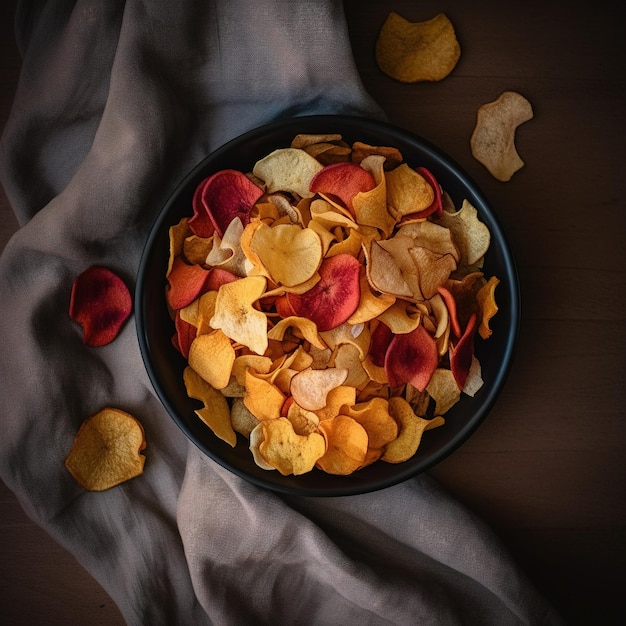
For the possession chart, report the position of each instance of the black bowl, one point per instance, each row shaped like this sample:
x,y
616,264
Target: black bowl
x,y
165,365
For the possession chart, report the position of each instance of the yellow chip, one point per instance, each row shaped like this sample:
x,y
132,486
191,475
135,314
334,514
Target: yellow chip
x,y
304,326
236,316
374,416
215,413
262,398
371,304
416,51
346,442
260,364
360,151
287,169
212,357
444,390
290,254
487,301
370,207
106,450
304,422
196,249
411,428
469,234
288,452
177,234
407,191
335,399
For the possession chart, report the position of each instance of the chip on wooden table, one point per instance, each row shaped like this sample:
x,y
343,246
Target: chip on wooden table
x,y
417,51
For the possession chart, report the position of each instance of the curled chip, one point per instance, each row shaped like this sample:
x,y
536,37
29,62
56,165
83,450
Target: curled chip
x,y
100,302
327,320
346,442
417,51
287,451
411,427
493,140
106,450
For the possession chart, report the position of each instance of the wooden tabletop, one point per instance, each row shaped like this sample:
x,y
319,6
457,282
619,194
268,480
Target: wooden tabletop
x,y
546,470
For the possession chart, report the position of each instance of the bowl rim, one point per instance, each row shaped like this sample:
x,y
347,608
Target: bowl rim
x,y
298,485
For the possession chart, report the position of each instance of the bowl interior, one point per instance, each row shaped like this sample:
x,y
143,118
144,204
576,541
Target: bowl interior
x,y
165,365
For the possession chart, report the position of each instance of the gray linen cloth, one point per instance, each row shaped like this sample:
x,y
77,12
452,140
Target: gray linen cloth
x,y
116,102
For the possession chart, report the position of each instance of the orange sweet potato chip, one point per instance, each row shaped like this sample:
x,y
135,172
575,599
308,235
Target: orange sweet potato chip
x,y
417,51
107,450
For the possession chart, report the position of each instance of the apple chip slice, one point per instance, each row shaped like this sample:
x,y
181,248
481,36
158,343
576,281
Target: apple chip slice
x,y
107,450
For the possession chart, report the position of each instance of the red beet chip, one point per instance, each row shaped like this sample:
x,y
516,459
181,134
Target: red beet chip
x,y
186,283
461,354
379,343
343,181
184,335
411,358
335,297
100,302
223,196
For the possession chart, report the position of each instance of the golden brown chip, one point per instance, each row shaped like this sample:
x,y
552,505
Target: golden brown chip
x,y
236,316
411,429
212,357
493,140
215,413
361,150
487,301
374,416
346,445
288,452
106,450
444,390
416,51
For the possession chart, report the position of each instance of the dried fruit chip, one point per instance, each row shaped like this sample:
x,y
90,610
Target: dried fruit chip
x,y
374,416
411,429
493,140
366,286
461,354
225,195
212,357
262,398
100,302
487,302
288,169
416,51
411,358
310,387
186,283
342,180
287,451
443,389
236,316
215,413
346,442
335,297
290,254
106,450
470,235
408,192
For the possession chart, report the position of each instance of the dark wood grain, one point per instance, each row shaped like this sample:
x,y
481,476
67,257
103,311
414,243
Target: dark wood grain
x,y
546,470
